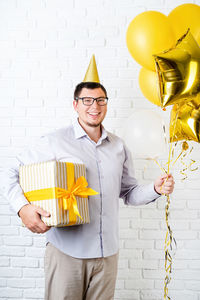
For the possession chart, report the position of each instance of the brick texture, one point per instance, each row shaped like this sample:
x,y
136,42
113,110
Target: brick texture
x,y
45,48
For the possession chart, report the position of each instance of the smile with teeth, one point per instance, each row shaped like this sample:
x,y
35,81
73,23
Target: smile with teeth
x,y
94,114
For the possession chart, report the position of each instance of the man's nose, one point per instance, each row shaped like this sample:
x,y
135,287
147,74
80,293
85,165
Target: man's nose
x,y
94,104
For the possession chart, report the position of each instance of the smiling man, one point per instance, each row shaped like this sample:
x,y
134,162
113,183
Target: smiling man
x,y
81,261
91,109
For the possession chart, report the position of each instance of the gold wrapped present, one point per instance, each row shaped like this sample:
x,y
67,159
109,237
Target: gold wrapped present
x,y
59,188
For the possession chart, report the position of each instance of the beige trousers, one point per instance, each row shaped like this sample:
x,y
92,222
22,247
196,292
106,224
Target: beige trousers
x,y
68,278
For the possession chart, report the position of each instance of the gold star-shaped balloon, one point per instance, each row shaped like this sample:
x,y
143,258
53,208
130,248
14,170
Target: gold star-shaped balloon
x,y
178,71
185,121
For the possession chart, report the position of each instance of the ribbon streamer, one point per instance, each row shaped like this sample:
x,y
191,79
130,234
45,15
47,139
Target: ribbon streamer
x,y
168,248
169,239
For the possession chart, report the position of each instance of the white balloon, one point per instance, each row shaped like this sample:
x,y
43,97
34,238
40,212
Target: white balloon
x,y
145,134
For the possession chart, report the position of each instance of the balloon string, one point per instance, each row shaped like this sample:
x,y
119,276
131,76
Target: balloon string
x,y
169,234
169,239
171,151
177,158
162,169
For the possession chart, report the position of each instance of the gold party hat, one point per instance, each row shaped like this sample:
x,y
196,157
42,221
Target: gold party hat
x,y
92,73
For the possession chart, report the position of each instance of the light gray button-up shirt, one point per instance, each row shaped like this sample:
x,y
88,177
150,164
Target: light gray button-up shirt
x,y
109,171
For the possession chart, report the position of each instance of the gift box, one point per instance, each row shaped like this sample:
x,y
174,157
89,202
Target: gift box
x,y
59,188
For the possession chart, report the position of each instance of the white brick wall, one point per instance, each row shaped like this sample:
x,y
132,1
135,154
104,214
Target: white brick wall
x,y
45,48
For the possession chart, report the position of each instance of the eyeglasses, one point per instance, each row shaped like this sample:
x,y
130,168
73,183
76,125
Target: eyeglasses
x,y
90,100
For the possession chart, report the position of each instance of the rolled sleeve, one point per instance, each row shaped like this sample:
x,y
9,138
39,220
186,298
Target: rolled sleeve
x,y
131,192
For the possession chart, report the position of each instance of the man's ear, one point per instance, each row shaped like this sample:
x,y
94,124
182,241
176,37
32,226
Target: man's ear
x,y
75,103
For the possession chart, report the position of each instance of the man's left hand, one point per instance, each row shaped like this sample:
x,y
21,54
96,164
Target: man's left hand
x,y
164,184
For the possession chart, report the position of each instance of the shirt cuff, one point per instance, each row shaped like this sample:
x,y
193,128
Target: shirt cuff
x,y
158,194
152,192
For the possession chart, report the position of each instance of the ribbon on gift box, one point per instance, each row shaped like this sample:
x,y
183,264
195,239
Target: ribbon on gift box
x,y
78,188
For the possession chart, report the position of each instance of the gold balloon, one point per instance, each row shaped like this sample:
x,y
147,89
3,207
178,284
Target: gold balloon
x,y
147,34
185,121
148,82
178,71
186,16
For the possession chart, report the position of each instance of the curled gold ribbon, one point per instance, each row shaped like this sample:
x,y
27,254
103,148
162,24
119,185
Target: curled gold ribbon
x,y
169,239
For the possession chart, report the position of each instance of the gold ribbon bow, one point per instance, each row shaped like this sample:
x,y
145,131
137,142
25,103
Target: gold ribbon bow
x,y
79,189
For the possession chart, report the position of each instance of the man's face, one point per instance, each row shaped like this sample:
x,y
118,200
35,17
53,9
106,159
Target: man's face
x,y
90,115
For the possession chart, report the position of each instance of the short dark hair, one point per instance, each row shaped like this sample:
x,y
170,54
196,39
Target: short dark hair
x,y
88,85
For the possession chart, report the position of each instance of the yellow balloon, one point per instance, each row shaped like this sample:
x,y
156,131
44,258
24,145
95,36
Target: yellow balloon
x,y
148,34
186,16
149,86
178,71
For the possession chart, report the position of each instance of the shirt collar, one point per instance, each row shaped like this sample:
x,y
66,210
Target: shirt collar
x,y
80,132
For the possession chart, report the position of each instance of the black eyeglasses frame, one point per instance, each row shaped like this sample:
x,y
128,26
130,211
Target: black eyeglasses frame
x,y
94,99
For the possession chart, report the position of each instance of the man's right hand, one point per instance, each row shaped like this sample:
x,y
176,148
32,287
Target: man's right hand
x,y
31,217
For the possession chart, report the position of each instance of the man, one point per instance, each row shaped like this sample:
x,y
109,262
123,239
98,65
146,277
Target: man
x,y
81,261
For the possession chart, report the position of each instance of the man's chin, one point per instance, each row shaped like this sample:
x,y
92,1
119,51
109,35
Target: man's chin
x,y
93,124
